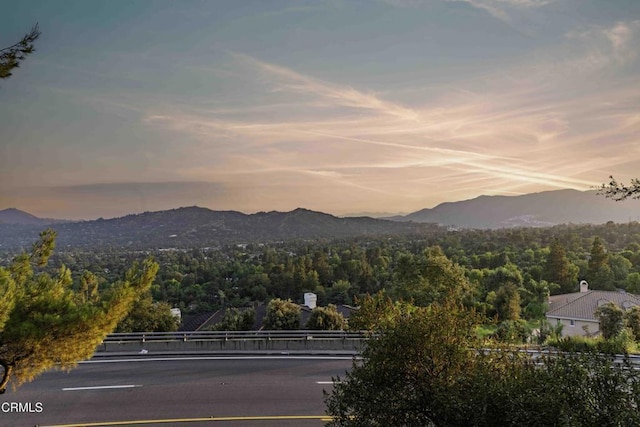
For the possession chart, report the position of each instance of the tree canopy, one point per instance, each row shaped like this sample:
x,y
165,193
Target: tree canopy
x,y
45,321
11,56
282,315
426,369
326,318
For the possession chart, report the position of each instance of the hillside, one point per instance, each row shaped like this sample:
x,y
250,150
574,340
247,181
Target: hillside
x,y
199,227
530,210
16,216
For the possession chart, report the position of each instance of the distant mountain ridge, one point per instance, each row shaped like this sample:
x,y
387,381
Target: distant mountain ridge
x,y
16,216
530,210
191,227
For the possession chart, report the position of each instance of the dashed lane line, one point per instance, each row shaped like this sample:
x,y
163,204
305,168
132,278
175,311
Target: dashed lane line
x,y
100,387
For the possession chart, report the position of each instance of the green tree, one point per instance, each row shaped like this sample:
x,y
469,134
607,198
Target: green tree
x,y
633,283
513,331
632,321
406,368
611,318
326,318
599,271
507,302
429,277
426,371
598,256
620,267
11,56
378,312
235,319
282,315
497,278
149,316
45,323
338,293
559,270
536,298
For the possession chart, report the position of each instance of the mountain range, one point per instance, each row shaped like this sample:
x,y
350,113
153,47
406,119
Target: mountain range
x,y
16,216
547,208
201,227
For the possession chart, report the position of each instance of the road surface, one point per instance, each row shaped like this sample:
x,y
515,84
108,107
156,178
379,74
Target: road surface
x,y
162,390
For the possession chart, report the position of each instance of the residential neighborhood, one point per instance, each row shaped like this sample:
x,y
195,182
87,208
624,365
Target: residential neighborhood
x,y
577,311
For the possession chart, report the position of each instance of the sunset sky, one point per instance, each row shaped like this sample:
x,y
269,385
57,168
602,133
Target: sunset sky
x,y
338,106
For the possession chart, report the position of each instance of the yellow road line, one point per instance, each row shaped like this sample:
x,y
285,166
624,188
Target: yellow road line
x,y
324,418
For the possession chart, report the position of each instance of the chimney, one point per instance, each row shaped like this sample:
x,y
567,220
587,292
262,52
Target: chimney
x,y
584,286
310,299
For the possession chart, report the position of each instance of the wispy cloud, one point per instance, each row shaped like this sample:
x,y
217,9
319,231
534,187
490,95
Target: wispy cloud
x,y
620,41
488,136
536,123
341,95
503,9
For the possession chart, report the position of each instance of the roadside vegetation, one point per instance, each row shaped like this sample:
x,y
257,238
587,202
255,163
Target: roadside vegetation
x,y
428,366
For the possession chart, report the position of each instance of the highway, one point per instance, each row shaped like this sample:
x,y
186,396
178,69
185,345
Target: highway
x,y
162,390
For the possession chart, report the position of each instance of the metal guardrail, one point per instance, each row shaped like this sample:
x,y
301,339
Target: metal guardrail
x,y
190,336
633,359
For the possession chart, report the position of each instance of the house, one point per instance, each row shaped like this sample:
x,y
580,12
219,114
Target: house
x,y
576,311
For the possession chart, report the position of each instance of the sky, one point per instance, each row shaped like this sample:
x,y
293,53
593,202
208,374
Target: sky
x,y
340,106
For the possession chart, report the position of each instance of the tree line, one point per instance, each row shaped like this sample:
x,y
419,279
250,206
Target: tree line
x,y
505,274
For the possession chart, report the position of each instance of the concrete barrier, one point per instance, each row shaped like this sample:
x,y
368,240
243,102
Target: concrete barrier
x,y
234,342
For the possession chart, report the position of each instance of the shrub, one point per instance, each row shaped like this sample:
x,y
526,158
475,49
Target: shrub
x,y
326,318
282,315
513,332
423,371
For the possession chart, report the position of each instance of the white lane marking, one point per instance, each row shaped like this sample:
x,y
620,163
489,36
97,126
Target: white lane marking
x,y
100,387
177,359
326,382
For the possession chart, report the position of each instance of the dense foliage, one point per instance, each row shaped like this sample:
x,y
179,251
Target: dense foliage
x,y
423,369
326,319
47,320
505,274
235,319
282,315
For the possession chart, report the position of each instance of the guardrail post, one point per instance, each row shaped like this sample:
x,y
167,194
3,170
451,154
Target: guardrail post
x,y
143,338
184,338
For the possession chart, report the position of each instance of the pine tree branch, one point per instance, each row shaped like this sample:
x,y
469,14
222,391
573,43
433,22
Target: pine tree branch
x,y
619,191
11,56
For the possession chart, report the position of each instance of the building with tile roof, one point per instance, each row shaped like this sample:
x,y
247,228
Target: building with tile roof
x,y
576,311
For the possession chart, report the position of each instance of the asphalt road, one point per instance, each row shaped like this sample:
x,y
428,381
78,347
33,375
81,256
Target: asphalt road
x,y
192,389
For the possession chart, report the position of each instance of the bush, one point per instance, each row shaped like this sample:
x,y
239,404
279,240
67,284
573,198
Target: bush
x,y
235,319
424,371
326,318
611,319
575,344
513,332
282,315
620,344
